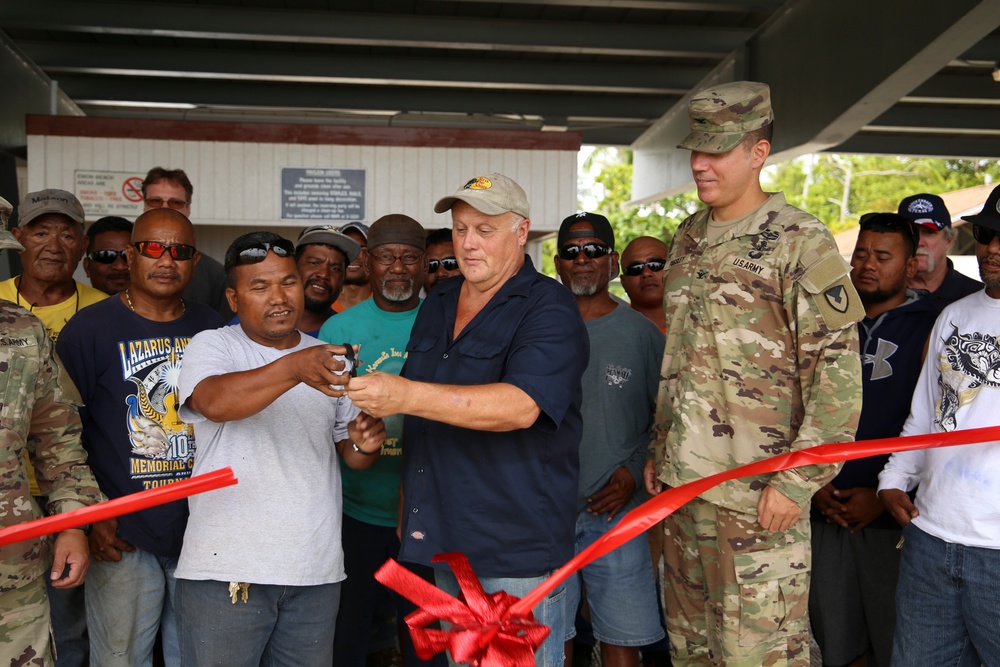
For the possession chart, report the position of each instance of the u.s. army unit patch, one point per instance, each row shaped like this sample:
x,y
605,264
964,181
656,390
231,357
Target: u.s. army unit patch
x,y
838,298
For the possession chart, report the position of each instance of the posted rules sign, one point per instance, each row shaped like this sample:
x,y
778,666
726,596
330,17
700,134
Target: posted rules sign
x,y
109,192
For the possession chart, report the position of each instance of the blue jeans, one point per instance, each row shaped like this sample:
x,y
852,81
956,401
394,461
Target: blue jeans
x,y
947,604
276,626
551,611
621,589
127,602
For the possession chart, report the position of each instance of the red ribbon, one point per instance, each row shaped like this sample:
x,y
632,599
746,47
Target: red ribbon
x,y
124,505
483,630
487,627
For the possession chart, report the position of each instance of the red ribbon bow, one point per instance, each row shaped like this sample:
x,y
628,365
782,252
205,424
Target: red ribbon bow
x,y
484,631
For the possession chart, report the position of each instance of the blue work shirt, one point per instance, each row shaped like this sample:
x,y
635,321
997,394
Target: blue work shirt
x,y
506,500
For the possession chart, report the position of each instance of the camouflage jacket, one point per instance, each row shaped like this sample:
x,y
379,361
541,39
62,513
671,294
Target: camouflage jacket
x,y
38,412
761,355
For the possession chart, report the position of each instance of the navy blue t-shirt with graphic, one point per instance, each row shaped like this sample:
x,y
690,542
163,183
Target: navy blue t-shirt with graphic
x,y
126,368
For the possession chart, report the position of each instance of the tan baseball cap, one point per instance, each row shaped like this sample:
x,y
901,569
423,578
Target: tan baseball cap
x,y
50,201
722,115
495,194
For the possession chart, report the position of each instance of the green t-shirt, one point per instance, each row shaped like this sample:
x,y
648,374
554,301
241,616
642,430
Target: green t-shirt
x,y
372,495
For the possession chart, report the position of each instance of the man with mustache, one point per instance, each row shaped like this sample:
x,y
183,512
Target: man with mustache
x,y
936,274
947,594
322,255
643,261
105,262
124,354
381,326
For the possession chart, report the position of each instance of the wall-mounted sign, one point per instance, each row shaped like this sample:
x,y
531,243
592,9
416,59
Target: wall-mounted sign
x,y
336,195
108,192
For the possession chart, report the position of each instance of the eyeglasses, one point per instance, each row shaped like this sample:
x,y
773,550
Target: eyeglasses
x,y
636,268
591,250
107,256
158,202
154,249
386,258
984,235
446,263
890,222
256,253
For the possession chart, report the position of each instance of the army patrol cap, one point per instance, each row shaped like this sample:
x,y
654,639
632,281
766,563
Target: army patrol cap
x,y
495,194
722,115
7,239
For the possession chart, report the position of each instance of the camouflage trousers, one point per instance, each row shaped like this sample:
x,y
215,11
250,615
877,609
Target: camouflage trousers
x,y
736,595
25,632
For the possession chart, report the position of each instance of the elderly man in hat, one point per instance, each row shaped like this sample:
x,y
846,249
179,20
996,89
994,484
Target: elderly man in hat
x,y
948,600
761,358
492,394
50,227
936,274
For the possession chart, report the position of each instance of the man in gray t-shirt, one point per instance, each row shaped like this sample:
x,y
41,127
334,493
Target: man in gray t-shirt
x,y
261,565
619,396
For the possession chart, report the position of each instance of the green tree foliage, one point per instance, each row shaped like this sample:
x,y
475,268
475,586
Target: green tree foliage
x,y
838,189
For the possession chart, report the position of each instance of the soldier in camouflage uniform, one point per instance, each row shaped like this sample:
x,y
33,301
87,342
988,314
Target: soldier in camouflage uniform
x,y
761,359
38,413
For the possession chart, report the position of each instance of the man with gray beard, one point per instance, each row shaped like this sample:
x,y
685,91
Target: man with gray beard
x,y
619,396
936,275
381,326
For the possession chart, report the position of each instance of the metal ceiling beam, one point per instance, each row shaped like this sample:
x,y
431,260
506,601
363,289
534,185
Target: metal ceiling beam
x,y
939,119
655,5
822,92
967,88
926,146
628,108
59,58
327,27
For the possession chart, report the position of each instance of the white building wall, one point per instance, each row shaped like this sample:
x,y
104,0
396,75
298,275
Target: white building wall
x,y
237,185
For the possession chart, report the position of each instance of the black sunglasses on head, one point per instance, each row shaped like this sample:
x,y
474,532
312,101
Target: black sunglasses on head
x,y
635,268
154,250
256,253
983,234
591,250
107,256
446,263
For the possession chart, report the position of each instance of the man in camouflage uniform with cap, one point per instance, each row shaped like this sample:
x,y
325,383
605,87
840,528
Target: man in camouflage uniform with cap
x,y
761,359
38,413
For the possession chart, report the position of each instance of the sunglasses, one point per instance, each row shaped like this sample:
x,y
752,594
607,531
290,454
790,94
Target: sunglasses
x,y
388,259
154,249
983,234
591,250
636,268
447,263
107,256
158,202
256,253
